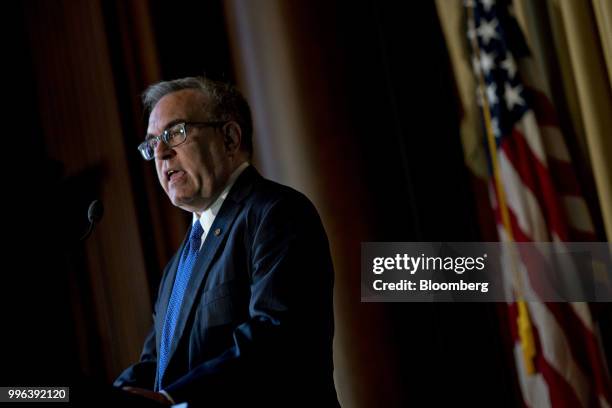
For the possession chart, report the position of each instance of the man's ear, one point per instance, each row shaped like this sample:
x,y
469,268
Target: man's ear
x,y
232,136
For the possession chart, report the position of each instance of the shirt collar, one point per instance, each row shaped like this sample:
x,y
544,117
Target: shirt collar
x,y
208,216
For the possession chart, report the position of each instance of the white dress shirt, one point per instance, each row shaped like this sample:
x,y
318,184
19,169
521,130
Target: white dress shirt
x,y
208,216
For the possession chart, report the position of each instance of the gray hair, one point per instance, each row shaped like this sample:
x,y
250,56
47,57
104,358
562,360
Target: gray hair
x,y
226,102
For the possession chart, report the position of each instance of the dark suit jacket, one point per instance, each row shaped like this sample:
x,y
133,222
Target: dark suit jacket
x,y
256,323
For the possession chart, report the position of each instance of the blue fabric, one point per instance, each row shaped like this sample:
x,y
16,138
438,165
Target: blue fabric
x,y
187,261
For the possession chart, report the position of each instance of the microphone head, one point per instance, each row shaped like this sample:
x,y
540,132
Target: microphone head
x,y
95,211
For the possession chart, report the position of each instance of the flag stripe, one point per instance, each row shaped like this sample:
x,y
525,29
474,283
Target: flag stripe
x,y
564,395
528,128
521,200
544,201
582,342
535,178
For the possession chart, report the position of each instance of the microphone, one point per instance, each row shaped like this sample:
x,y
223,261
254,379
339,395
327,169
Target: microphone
x,y
94,214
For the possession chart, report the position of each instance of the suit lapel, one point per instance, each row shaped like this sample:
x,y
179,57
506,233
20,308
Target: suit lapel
x,y
212,244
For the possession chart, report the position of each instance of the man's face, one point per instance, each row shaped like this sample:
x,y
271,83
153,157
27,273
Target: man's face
x,y
202,164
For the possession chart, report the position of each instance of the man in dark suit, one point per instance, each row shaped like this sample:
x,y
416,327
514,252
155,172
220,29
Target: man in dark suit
x,y
244,312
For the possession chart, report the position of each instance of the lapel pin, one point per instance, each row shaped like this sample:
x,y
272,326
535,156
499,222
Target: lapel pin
x,y
217,232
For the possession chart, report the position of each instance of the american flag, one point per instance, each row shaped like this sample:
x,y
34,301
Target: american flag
x,y
537,197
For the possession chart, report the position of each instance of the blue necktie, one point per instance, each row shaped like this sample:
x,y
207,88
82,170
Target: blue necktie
x,y
185,267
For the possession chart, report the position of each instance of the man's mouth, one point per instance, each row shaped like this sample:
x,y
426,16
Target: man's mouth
x,y
174,175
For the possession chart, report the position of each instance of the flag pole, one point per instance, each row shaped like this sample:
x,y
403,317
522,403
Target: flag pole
x,y
523,320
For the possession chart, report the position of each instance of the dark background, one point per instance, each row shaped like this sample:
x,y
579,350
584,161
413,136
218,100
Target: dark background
x,y
387,65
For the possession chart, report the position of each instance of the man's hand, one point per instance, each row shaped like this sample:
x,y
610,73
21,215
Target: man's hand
x,y
155,396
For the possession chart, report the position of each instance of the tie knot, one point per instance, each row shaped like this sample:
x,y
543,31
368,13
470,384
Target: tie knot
x,y
196,232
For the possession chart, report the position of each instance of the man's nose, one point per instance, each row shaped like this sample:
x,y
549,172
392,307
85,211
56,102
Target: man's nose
x,y
163,151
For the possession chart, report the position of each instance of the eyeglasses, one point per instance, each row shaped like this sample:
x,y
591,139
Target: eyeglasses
x,y
172,137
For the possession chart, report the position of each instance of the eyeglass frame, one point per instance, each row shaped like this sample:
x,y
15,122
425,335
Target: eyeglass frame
x,y
163,137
